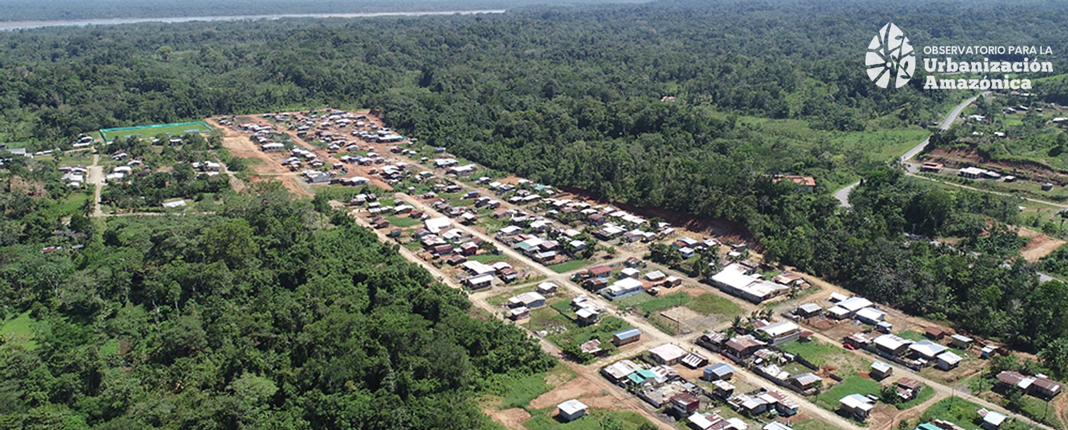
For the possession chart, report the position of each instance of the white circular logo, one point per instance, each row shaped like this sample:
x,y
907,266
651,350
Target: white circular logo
x,y
890,56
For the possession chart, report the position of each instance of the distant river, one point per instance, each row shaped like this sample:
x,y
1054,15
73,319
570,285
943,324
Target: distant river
x,y
21,25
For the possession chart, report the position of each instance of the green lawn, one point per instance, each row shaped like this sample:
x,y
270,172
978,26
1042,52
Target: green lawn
x,y
402,222
22,330
597,420
518,391
488,258
963,413
912,335
665,302
825,354
712,304
814,425
153,130
854,385
68,205
569,266
633,301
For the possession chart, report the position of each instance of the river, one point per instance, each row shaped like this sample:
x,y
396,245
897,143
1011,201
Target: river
x,y
23,25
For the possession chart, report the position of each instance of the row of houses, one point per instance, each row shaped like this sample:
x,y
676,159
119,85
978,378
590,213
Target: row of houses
x,y
912,354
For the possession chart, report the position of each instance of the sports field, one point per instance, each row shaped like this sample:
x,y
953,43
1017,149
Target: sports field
x,y
148,131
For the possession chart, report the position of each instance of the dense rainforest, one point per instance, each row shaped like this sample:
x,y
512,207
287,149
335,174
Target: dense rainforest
x,y
239,305
267,314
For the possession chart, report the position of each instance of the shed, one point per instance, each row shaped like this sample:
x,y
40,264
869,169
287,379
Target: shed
x,y
718,372
960,341
948,360
624,337
880,370
572,410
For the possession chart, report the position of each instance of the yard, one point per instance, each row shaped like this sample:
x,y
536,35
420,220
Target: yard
x,y
569,266
828,357
829,399
402,222
963,413
712,304
596,420
517,392
925,393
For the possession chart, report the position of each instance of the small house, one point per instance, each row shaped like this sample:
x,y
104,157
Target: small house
x,y
857,405
960,341
624,337
718,372
571,410
880,370
683,404
667,354
948,360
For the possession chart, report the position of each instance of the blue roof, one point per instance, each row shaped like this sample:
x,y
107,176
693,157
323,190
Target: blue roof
x,y
719,369
627,333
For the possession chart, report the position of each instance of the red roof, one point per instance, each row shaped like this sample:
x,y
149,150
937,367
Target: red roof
x,y
599,270
804,181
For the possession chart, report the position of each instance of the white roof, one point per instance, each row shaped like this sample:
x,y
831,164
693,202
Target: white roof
x,y
174,204
621,369
436,225
630,272
857,401
871,314
527,298
880,366
855,304
654,275
994,418
949,357
927,348
627,284
838,311
571,407
780,328
478,267
891,342
775,425
668,352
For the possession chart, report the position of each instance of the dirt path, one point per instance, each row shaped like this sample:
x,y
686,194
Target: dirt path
x,y
96,177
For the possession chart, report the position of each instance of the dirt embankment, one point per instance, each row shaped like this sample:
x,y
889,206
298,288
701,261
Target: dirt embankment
x,y
964,157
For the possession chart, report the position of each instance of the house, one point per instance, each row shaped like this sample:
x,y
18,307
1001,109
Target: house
x,y
991,420
592,347
599,271
741,347
624,337
891,345
630,272
529,299
1037,385
620,370
880,370
480,281
718,372
931,167
849,307
781,332
857,405
722,389
436,225
547,288
694,360
571,410
803,382
808,310
934,332
908,388
518,313
948,361
667,354
870,316
508,274
684,404
712,421
926,350
775,425
803,183
622,288
960,341
734,280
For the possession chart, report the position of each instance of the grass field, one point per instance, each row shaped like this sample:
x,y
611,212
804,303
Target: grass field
x,y
154,130
711,304
855,385
402,222
22,330
824,354
569,266
963,413
665,302
814,425
488,258
596,420
518,391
